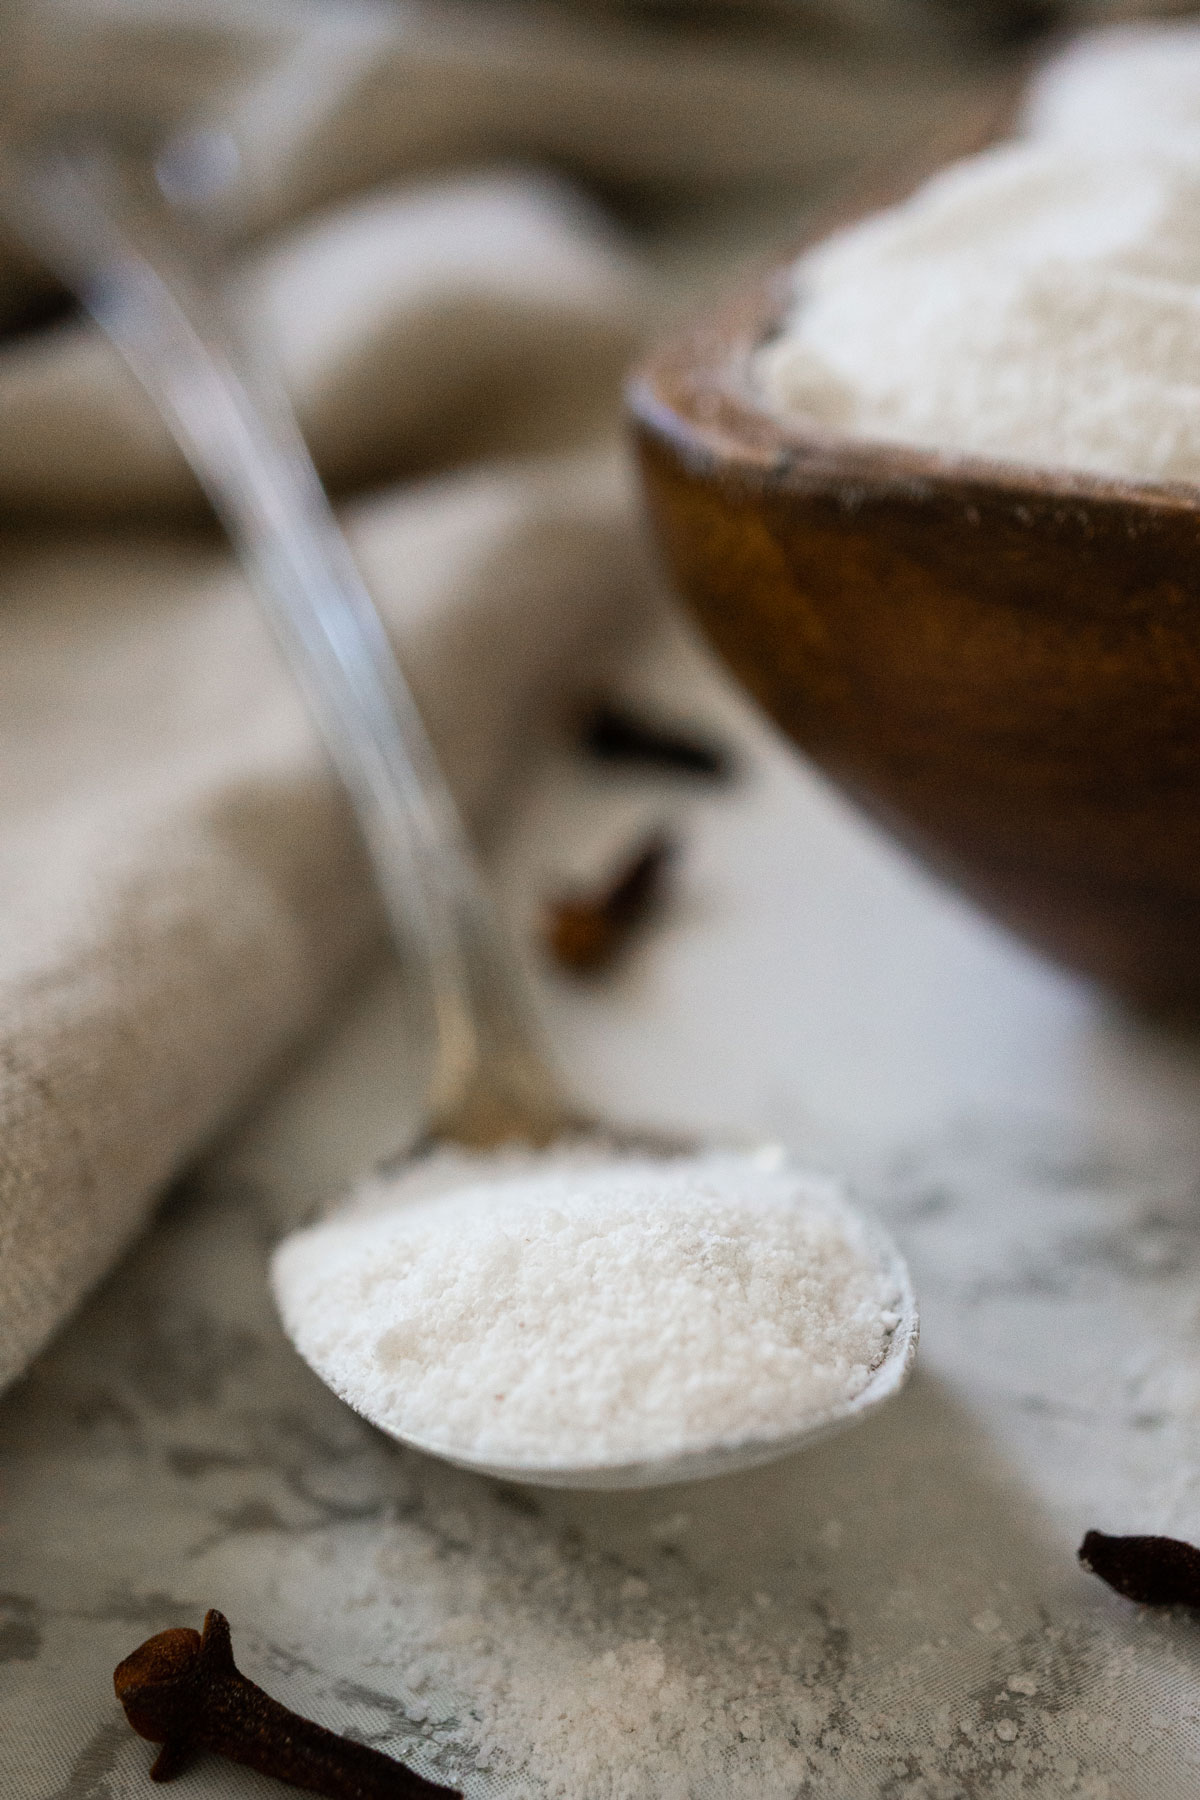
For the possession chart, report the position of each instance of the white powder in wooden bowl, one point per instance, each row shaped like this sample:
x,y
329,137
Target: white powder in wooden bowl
x,y
1038,302
1126,86
587,1309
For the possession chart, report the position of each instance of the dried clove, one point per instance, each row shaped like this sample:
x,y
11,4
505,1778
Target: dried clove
x,y
183,1690
1154,1571
585,932
615,736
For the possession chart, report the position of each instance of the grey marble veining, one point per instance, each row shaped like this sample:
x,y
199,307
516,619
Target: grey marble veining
x,y
914,1581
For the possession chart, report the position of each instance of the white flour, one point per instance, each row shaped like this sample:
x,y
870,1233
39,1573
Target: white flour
x,y
586,1308
1130,85
1038,302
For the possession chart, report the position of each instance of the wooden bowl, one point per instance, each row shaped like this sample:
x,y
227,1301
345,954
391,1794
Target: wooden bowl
x,y
1000,664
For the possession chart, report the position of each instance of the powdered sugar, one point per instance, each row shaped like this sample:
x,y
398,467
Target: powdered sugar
x,y
586,1309
1040,301
1127,86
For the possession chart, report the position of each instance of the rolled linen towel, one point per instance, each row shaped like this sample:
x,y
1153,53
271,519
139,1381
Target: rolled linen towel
x,y
447,320
182,890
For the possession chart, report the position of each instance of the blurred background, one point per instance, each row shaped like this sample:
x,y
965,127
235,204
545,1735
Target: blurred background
x,y
705,128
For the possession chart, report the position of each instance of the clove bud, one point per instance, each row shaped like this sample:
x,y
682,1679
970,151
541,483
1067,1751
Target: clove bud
x,y
585,932
183,1690
1154,1571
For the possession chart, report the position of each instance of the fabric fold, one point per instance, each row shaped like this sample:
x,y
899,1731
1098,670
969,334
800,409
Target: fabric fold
x,y
183,888
451,320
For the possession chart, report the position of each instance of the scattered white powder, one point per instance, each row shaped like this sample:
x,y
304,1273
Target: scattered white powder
x,y
535,1667
1038,302
583,1308
558,1651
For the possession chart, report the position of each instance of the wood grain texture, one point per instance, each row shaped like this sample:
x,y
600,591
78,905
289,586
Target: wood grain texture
x,y
1001,665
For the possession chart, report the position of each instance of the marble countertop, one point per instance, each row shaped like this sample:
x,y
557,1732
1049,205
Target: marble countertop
x,y
1033,1150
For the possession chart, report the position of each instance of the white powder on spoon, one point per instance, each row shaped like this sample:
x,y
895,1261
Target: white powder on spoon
x,y
587,1309
1039,302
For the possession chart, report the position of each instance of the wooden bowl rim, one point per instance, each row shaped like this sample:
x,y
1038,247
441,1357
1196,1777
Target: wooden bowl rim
x,y
696,391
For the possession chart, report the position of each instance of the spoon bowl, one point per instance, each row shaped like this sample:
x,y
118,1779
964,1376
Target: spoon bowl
x,y
425,1179
1000,664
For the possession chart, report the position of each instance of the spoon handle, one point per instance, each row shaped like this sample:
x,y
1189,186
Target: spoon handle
x,y
120,252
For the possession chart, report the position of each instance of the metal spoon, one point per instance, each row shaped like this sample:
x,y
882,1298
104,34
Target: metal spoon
x,y
108,231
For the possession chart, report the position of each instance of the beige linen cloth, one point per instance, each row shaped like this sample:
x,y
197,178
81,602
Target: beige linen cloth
x,y
181,889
